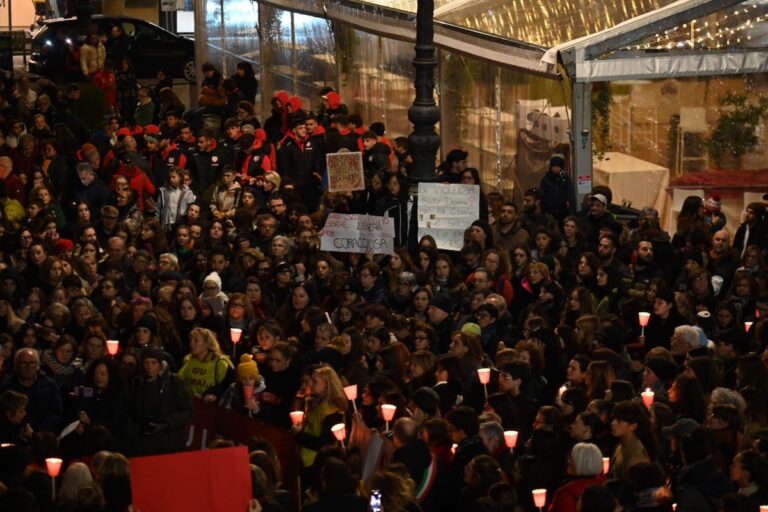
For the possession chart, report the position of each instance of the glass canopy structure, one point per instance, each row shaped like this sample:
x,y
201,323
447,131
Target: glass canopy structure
x,y
641,82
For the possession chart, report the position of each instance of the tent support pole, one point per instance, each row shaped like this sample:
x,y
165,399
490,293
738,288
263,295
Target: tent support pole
x,y
582,140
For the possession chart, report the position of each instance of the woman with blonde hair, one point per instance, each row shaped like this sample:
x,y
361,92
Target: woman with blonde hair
x,y
325,408
206,371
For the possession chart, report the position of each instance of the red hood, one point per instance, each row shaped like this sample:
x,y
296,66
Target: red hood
x,y
282,96
320,130
333,99
295,103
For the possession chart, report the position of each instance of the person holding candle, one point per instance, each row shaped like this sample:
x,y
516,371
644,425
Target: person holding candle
x,y
585,467
206,371
239,315
515,380
327,404
631,425
657,375
241,394
464,428
283,379
664,319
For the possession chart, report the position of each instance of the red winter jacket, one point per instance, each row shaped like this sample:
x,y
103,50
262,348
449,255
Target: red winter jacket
x,y
567,495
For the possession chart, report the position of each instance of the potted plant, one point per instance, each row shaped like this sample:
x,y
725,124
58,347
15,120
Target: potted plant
x,y
734,135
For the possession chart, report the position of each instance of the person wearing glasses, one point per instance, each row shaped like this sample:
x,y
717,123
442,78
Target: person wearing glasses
x,y
45,408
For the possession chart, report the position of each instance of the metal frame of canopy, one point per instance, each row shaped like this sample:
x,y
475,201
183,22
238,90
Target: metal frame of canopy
x,y
585,61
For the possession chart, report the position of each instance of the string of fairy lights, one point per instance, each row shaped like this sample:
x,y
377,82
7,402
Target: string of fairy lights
x,y
719,30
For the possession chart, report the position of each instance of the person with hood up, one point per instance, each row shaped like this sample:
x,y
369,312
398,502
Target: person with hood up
x,y
558,197
332,107
139,181
161,407
274,123
212,294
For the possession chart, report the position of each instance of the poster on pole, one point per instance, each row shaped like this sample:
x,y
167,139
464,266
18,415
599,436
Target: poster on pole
x,y
358,233
445,211
345,171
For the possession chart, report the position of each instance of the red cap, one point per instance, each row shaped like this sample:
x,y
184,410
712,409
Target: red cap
x,y
63,245
123,132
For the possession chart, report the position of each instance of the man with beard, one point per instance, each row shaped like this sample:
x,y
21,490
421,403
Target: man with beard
x,y
644,269
606,251
533,217
508,232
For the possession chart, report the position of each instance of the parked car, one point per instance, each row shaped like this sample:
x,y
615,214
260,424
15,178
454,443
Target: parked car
x,y
151,47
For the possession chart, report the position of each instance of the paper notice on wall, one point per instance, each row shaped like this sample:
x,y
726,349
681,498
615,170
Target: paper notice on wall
x,y
584,184
358,233
446,211
345,171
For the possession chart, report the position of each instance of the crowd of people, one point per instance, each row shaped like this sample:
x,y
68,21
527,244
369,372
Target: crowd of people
x,y
192,239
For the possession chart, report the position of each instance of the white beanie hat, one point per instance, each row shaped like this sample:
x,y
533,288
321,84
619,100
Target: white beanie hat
x,y
213,276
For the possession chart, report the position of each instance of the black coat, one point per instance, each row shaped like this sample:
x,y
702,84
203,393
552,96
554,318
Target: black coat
x,y
397,209
45,408
557,195
296,161
166,403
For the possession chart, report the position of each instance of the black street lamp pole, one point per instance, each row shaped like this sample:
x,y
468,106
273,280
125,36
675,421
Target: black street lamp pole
x,y
424,113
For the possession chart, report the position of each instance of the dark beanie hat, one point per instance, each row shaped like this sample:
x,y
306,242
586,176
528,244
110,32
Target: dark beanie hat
x,y
149,322
427,400
444,302
151,352
665,370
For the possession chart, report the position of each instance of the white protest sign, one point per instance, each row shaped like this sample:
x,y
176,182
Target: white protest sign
x,y
358,233
446,211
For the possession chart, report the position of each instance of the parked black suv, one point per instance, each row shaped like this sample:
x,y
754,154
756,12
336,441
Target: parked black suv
x,y
151,47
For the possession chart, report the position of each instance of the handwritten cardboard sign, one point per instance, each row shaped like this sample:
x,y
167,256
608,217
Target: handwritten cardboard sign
x,y
446,211
211,480
358,233
345,171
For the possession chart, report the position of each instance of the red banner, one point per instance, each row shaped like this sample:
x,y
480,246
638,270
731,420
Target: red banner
x,y
210,480
212,421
